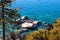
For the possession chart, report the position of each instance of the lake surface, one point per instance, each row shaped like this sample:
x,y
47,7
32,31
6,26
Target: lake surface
x,y
41,10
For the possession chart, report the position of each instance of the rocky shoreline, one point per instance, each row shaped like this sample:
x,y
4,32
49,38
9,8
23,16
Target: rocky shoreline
x,y
32,25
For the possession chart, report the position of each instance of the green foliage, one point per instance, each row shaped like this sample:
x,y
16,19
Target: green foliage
x,y
53,34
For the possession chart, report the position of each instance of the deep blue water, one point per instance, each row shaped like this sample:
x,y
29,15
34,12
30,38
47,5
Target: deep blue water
x,y
42,10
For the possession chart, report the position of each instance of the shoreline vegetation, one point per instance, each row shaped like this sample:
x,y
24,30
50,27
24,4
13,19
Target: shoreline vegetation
x,y
51,33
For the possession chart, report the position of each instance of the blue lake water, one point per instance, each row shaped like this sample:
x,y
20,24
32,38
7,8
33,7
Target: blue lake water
x,y
42,10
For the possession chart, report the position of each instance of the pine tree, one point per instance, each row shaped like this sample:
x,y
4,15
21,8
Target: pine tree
x,y
8,16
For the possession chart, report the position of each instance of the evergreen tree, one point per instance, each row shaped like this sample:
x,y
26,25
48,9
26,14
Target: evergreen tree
x,y
8,16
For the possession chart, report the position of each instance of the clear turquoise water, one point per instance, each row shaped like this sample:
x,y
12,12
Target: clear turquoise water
x,y
43,10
